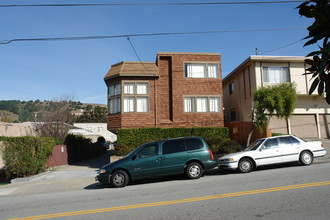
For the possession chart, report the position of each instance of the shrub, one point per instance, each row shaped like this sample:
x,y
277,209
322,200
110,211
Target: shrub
x,y
26,156
81,148
129,139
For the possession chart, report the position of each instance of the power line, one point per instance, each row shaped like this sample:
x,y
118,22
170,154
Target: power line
x,y
154,4
136,54
144,35
279,48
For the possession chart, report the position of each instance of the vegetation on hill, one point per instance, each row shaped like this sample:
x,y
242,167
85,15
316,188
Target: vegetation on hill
x,y
21,111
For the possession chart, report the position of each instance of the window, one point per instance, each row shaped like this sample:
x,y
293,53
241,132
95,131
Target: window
x,y
189,104
148,151
201,70
289,140
201,104
214,104
231,88
136,97
193,144
129,104
271,143
114,92
276,74
232,115
173,146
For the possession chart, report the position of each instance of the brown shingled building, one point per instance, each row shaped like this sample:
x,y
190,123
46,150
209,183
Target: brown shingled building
x,y
178,90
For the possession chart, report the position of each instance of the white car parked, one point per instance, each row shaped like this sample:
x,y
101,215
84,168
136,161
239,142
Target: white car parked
x,y
273,150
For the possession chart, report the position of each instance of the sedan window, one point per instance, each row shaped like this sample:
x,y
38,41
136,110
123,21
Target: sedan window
x,y
271,143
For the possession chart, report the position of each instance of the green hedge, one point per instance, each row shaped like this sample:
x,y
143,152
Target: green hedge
x,y
26,156
129,139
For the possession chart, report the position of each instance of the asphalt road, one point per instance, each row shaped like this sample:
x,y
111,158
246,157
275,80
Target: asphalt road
x,y
280,192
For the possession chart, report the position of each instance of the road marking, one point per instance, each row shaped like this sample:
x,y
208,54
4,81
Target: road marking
x,y
171,202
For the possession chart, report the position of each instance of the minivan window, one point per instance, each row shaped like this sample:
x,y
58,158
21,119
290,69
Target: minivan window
x,y
193,143
173,146
148,151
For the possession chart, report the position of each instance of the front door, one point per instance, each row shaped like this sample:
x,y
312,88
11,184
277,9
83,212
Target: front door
x,y
269,153
146,162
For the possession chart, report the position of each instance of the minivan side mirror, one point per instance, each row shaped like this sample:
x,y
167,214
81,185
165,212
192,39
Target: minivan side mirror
x,y
134,157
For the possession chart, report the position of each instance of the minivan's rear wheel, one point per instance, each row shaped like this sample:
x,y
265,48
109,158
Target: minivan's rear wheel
x,y
194,170
245,165
119,178
306,158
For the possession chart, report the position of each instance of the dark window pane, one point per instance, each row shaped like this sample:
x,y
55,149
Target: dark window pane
x,y
149,150
294,140
173,146
193,143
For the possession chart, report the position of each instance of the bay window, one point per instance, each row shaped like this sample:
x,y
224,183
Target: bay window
x,y
114,92
136,97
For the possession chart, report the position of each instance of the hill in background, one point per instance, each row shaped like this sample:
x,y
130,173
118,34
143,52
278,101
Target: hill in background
x,y
22,111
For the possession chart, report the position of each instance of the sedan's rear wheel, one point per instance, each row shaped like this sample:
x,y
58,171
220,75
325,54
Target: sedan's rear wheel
x,y
306,158
245,165
119,178
194,170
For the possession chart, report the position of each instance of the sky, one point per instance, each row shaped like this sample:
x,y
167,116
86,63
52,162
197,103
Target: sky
x,y
50,70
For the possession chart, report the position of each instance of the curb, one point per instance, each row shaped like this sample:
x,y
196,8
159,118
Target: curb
x,y
30,178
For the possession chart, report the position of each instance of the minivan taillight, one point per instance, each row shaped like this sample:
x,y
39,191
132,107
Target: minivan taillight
x,y
211,154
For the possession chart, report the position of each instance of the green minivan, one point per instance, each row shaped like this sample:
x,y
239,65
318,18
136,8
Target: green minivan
x,y
186,155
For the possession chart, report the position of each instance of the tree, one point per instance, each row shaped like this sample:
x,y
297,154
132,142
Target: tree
x,y
97,114
319,30
278,101
56,120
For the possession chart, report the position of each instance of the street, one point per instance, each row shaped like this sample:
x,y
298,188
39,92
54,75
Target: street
x,y
268,193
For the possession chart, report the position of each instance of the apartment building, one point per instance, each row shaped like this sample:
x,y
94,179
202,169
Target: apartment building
x,y
177,90
311,116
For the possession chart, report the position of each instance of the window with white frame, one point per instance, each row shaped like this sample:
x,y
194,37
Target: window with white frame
x,y
276,74
136,97
202,104
201,70
114,92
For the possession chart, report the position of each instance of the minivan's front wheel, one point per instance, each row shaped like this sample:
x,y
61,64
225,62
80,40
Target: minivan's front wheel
x,y
119,178
194,170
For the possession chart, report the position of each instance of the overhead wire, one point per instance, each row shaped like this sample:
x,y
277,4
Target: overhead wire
x,y
279,48
152,4
144,35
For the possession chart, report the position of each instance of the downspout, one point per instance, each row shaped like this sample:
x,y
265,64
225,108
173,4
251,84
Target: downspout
x,y
155,101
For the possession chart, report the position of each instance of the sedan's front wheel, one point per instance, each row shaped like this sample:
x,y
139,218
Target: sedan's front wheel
x,y
119,178
245,165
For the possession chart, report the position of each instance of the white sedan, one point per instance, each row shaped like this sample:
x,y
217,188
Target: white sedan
x,y
273,150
